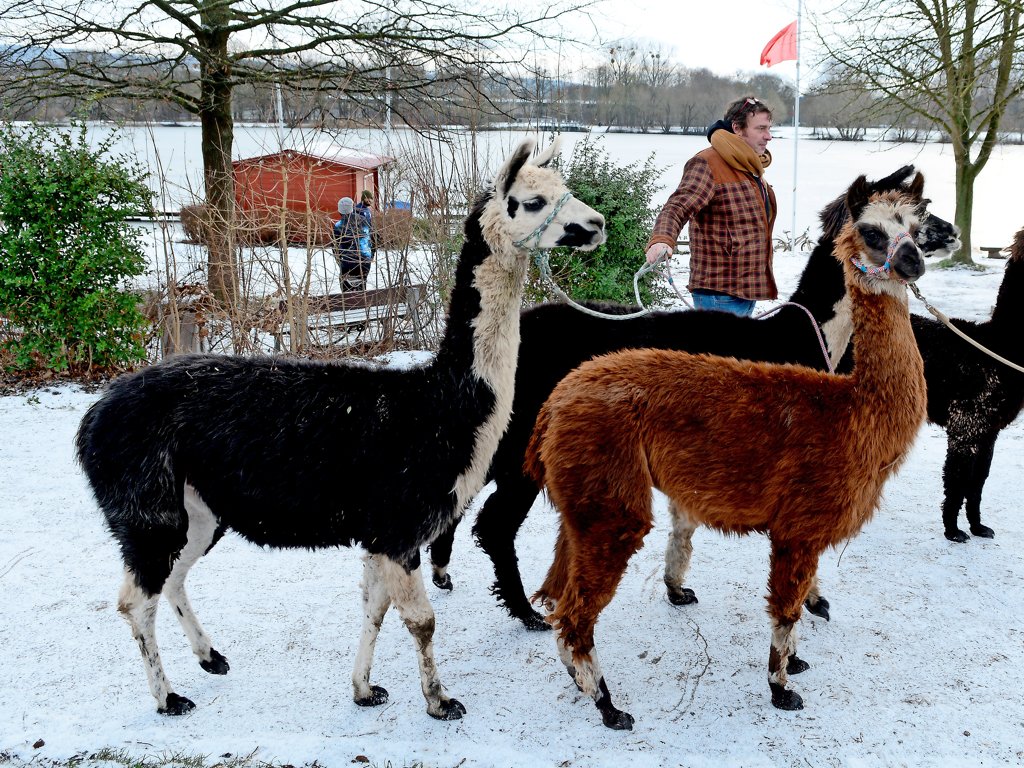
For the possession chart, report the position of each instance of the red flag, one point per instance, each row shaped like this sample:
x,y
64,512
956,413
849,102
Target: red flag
x,y
782,47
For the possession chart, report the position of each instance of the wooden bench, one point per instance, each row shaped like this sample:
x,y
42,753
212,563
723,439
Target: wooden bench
x,y
354,310
994,252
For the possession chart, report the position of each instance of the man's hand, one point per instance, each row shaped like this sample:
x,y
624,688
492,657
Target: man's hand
x,y
657,252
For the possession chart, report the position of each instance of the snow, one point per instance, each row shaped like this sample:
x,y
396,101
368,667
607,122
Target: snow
x,y
821,168
922,662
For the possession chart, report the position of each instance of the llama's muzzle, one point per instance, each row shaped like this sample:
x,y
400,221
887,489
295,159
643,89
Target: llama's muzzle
x,y
585,237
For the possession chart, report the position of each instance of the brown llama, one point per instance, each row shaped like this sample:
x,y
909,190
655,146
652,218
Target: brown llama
x,y
785,450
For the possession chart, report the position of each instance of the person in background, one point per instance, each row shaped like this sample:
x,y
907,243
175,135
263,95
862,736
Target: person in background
x,y
365,206
731,212
352,245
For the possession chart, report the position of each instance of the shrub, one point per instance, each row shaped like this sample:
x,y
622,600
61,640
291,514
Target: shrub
x,y
66,250
622,194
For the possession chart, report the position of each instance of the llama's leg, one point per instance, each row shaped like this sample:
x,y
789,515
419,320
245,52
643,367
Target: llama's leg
x,y
495,531
976,484
410,599
138,605
793,569
955,473
202,534
441,556
376,601
816,602
551,591
678,554
599,560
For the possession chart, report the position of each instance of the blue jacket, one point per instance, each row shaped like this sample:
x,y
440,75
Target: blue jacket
x,y
352,237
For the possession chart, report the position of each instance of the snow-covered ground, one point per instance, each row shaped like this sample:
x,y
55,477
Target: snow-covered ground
x,y
921,664
821,168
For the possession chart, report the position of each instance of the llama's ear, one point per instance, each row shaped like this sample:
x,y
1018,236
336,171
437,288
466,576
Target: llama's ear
x,y
507,175
857,197
549,154
916,188
894,180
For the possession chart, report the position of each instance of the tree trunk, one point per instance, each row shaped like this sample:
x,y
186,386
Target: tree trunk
x,y
217,137
965,175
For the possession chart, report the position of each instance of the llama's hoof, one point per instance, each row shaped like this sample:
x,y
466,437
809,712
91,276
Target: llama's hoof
x,y
176,705
795,666
681,596
377,697
983,531
534,622
442,582
217,665
785,699
819,608
451,709
958,536
617,720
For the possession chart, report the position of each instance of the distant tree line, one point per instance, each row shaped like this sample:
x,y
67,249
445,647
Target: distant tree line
x,y
635,89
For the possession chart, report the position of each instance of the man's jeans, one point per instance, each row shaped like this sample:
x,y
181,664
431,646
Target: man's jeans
x,y
723,303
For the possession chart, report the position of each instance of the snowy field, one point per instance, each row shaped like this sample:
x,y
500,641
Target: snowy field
x,y
823,168
921,664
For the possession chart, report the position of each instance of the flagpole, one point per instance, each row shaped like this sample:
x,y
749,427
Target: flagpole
x,y
796,123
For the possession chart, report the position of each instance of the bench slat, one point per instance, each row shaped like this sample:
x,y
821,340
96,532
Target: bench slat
x,y
341,310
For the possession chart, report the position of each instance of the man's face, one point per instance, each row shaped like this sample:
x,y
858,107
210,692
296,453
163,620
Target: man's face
x,y
758,132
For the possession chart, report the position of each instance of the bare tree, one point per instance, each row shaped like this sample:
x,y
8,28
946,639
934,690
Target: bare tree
x,y
195,53
956,64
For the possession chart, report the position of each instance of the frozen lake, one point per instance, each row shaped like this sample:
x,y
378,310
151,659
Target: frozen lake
x,y
825,168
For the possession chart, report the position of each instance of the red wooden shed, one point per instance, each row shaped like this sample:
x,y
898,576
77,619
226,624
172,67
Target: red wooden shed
x,y
306,181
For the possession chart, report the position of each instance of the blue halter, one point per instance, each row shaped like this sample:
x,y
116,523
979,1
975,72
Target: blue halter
x,y
539,231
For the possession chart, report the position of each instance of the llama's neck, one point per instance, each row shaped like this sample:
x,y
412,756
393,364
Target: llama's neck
x,y
1008,312
481,344
887,368
823,292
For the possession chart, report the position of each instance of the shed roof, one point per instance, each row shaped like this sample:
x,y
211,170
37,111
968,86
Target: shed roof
x,y
328,153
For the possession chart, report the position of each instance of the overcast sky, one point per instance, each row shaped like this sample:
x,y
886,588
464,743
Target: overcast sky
x,y
721,36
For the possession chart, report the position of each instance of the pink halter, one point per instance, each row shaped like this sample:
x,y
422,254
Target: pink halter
x,y
884,270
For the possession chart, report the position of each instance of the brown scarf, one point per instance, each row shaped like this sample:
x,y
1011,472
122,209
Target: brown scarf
x,y
737,153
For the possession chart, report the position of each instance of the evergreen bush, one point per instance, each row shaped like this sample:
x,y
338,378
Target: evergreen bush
x,y
622,194
67,251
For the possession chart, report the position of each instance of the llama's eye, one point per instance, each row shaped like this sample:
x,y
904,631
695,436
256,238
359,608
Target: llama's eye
x,y
874,238
535,205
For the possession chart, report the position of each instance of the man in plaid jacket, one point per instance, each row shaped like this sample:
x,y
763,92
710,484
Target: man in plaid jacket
x,y
731,212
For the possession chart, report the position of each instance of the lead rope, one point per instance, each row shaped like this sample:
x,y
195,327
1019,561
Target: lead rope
x,y
883,272
946,321
545,270
544,266
536,234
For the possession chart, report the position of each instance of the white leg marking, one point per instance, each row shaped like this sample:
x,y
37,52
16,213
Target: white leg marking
x,y
784,643
201,527
588,674
680,548
564,653
410,599
814,593
140,611
375,604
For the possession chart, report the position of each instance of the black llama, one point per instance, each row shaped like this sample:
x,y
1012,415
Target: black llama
x,y
179,453
972,395
556,338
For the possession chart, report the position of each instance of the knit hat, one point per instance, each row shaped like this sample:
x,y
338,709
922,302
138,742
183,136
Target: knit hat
x,y
345,205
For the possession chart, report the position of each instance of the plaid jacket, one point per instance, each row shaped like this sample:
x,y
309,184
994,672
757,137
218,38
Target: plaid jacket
x,y
730,230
